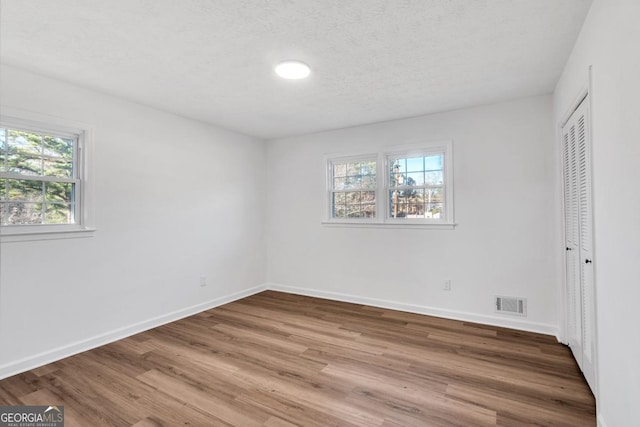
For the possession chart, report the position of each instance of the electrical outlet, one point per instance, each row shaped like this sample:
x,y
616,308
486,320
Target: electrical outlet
x,y
203,281
446,285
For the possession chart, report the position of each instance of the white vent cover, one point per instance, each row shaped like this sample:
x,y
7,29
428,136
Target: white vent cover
x,y
511,305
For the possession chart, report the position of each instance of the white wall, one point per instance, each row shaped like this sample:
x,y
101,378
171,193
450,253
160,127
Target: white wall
x,y
507,205
609,42
174,199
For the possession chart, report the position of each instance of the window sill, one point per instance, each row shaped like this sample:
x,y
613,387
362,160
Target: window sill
x,y
406,226
9,236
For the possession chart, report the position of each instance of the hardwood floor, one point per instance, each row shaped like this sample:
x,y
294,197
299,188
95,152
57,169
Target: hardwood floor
x,y
280,360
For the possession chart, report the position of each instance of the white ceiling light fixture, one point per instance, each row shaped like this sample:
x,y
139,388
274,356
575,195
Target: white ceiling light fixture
x,y
293,70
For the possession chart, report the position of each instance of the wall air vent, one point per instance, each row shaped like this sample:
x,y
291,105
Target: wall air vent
x,y
511,305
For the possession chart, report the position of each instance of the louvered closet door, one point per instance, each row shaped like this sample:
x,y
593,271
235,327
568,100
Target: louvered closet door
x,y
586,243
580,290
572,240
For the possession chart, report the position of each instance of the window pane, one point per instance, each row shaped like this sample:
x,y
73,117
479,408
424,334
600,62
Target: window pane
x,y
339,199
413,195
369,210
352,197
60,168
61,192
415,210
339,169
352,168
397,179
3,189
367,168
397,196
24,163
59,214
24,142
25,190
339,211
398,210
339,183
25,151
19,213
415,178
398,166
368,181
368,197
408,210
354,211
433,163
434,178
434,195
434,210
410,194
361,168
354,181
415,164
395,200
58,147
434,202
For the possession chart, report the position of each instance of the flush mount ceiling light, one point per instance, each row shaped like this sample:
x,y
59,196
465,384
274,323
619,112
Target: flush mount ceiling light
x,y
293,70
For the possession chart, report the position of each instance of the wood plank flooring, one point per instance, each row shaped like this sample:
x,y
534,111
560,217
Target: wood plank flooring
x,y
280,360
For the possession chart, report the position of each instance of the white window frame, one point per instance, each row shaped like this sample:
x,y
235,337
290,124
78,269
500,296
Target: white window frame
x,y
83,212
383,185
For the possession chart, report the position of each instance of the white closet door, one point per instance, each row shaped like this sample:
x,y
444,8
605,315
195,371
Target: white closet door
x,y
572,241
580,290
586,244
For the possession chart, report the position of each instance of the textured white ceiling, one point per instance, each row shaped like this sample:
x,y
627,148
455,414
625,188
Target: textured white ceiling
x,y
372,60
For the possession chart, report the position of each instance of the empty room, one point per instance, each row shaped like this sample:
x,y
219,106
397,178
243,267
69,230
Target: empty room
x,y
319,213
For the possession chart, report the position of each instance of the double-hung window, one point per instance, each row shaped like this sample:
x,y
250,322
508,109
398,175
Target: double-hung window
x,y
41,178
408,186
353,187
416,187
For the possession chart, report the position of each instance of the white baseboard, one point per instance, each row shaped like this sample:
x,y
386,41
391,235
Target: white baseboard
x,y
50,356
522,325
